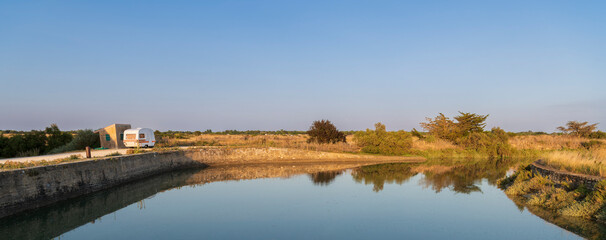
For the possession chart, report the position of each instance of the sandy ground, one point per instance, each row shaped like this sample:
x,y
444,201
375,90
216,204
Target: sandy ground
x,y
82,154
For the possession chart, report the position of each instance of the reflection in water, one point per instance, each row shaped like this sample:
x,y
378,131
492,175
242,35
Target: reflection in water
x,y
461,178
324,178
53,221
583,227
378,175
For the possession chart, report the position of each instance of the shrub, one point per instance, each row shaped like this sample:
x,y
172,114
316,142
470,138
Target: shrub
x,y
83,139
27,144
56,138
324,131
591,144
494,143
598,135
380,141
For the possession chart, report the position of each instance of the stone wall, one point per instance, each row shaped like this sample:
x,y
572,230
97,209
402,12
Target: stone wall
x,y
28,188
558,175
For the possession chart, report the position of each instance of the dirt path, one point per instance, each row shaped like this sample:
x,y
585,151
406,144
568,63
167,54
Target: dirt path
x,y
82,154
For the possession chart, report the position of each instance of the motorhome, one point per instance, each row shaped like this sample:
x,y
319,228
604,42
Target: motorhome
x,y
139,137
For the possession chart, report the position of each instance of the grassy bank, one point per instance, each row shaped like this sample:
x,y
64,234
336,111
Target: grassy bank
x,y
560,197
585,161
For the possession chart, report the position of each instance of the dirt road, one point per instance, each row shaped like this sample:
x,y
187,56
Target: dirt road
x,y
82,154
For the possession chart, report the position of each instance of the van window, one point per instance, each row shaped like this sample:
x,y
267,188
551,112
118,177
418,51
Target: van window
x,y
131,136
142,135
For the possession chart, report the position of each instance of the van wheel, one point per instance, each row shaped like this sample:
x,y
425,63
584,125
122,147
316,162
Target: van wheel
x,y
145,146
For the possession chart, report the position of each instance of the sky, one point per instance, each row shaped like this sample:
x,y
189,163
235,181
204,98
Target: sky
x,y
270,65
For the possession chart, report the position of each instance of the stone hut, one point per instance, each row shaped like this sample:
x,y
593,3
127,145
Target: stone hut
x,y
112,135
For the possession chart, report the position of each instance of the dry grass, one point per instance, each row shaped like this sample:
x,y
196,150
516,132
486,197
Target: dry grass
x,y
592,162
438,144
281,141
547,142
16,165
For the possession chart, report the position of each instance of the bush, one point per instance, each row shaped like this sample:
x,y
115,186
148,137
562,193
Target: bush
x,y
56,138
379,141
28,144
598,135
591,144
494,143
83,139
324,131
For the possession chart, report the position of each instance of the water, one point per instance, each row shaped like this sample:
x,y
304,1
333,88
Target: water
x,y
404,201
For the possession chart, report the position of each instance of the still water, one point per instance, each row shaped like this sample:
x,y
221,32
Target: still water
x,y
388,201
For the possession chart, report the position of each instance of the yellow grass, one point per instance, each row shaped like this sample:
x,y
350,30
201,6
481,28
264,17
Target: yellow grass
x,y
547,142
438,144
283,141
592,162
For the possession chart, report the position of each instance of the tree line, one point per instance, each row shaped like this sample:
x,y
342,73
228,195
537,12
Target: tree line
x,y
466,130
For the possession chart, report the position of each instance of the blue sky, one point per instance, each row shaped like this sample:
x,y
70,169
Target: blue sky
x,y
270,65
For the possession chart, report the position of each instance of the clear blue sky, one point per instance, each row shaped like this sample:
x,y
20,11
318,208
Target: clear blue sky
x,y
269,65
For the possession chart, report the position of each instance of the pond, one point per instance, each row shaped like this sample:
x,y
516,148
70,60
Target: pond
x,y
294,201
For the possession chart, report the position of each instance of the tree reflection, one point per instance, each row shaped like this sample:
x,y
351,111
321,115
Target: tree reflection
x,y
380,174
457,176
324,178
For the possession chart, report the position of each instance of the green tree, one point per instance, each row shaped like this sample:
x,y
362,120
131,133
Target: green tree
x,y
441,127
470,122
324,131
581,129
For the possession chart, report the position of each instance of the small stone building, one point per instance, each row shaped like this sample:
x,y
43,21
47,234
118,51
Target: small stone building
x,y
112,135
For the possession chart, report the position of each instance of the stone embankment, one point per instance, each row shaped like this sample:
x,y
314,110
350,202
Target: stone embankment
x,y
559,175
28,188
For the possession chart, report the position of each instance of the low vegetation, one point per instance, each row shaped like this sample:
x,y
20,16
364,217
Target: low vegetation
x,y
83,139
33,143
467,132
563,198
380,141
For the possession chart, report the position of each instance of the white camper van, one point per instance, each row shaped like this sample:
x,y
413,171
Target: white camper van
x,y
139,137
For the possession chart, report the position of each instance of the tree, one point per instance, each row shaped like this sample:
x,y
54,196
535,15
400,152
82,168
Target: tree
x,y
470,122
441,127
580,129
324,131
446,128
56,138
